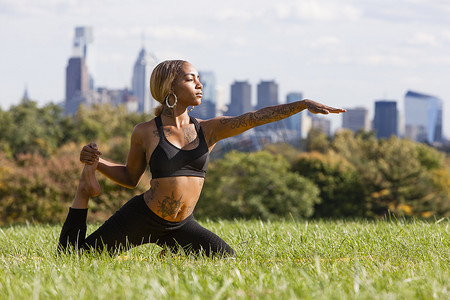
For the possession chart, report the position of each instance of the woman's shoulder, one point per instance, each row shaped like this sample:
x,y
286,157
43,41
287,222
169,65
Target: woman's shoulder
x,y
147,124
145,128
146,134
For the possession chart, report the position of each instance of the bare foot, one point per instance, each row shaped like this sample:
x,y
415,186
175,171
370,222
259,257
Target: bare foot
x,y
88,182
87,187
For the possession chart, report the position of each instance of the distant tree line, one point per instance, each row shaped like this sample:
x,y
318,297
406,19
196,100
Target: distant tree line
x,y
39,159
26,128
349,175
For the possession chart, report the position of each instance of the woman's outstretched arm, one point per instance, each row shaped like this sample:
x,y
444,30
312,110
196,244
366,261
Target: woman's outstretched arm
x,y
223,127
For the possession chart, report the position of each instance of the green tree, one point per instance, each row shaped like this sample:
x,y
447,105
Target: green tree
x,y
429,158
103,122
289,152
255,185
110,127
37,189
6,129
341,190
404,181
398,175
33,129
439,204
317,141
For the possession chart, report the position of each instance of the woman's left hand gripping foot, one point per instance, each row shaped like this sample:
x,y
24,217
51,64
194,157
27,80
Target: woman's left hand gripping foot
x,y
88,182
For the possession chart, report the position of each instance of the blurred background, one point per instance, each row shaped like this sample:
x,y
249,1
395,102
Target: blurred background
x,y
348,54
73,71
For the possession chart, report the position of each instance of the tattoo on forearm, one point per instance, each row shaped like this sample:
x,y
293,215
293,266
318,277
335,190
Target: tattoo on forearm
x,y
169,206
262,116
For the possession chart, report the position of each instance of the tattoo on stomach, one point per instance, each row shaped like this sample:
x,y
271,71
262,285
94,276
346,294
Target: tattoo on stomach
x,y
169,206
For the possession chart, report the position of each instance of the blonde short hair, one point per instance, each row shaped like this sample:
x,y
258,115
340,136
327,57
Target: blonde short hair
x,y
161,80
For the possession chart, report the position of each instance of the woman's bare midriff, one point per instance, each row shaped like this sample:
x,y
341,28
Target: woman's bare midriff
x,y
174,198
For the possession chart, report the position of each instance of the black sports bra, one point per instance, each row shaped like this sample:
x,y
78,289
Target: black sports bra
x,y
170,161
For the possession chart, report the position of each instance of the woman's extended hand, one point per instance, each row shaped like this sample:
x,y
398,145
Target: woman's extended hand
x,y
90,154
317,108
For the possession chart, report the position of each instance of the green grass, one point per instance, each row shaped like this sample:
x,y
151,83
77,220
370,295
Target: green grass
x,y
276,260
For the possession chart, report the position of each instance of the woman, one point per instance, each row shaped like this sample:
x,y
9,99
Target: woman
x,y
176,147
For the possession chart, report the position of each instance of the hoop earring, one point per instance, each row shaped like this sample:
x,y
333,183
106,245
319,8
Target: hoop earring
x,y
167,100
191,109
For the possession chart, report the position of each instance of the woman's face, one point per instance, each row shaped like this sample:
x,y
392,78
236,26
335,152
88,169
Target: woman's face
x,y
187,86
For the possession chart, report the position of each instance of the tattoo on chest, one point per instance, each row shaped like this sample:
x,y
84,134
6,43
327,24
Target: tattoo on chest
x,y
190,135
169,206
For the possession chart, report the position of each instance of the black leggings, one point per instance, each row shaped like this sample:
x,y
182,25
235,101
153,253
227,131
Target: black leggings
x,y
135,224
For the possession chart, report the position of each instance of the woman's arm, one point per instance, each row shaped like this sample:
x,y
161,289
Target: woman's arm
x,y
127,175
223,127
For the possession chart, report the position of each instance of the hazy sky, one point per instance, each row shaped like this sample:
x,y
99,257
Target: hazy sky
x,y
344,53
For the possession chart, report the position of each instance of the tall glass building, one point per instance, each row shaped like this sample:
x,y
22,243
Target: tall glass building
x,y
356,119
241,98
79,79
77,84
140,83
83,47
423,117
267,94
385,121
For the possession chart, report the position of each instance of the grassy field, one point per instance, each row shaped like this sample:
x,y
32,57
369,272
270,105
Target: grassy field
x,y
394,259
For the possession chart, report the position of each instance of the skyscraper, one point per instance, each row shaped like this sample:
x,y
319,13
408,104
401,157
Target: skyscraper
x,y
207,109
267,94
423,117
77,84
240,98
385,121
356,119
83,47
140,84
78,81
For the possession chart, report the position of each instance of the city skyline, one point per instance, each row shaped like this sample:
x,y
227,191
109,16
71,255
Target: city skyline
x,y
346,54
